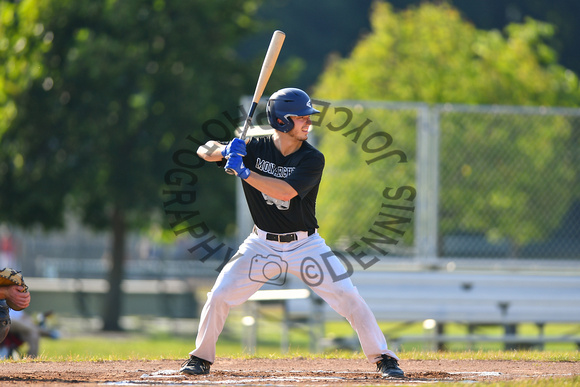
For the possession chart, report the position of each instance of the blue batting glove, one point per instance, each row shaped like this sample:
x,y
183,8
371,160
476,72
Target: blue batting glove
x,y
236,163
236,146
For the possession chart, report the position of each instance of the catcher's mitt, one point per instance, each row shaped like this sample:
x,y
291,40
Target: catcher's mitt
x,y
9,277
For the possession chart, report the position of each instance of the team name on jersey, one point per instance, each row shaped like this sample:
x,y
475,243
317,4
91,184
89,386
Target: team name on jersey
x,y
273,169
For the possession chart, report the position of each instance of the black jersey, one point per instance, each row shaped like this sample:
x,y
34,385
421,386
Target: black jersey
x,y
301,169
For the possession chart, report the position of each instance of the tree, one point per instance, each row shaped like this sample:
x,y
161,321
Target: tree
x,y
94,96
312,45
430,54
561,14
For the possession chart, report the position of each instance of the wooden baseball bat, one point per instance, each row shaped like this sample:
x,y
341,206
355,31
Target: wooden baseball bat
x,y
267,68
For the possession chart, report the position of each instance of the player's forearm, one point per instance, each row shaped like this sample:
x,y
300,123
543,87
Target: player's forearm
x,y
276,188
211,151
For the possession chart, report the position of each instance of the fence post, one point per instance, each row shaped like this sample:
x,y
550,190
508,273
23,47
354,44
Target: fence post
x,y
427,184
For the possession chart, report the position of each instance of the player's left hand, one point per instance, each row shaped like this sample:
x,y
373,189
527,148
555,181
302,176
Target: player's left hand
x,y
237,146
236,163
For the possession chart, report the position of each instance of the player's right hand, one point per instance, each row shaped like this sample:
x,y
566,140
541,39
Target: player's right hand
x,y
237,146
236,164
16,298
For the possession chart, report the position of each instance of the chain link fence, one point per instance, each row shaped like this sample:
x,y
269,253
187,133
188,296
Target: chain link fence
x,y
509,184
406,182
493,182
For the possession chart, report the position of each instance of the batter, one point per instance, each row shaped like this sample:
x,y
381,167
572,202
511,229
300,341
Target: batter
x,y
280,177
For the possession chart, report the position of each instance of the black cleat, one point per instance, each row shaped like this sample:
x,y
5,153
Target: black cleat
x,y
389,367
195,366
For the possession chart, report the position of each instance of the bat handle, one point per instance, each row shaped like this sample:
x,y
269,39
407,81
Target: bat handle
x,y
229,171
248,123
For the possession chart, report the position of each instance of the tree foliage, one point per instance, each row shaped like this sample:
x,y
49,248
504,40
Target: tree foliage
x,y
95,97
102,91
430,54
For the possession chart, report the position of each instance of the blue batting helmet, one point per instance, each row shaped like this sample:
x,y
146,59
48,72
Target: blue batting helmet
x,y
286,103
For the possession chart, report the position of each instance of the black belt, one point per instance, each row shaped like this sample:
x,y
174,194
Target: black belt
x,y
284,238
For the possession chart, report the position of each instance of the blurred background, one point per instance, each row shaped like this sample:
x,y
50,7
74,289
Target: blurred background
x,y
451,132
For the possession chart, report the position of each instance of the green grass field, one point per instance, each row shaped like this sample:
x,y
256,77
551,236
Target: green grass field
x,y
161,342
130,346
163,335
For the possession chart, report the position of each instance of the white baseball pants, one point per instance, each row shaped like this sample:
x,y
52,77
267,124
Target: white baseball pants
x,y
256,263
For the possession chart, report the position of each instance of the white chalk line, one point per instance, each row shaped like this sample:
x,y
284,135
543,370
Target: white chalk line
x,y
174,377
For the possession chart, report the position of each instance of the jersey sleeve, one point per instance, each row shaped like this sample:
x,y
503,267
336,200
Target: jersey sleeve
x,y
308,174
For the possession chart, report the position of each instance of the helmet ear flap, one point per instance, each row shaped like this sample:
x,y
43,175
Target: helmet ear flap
x,y
277,121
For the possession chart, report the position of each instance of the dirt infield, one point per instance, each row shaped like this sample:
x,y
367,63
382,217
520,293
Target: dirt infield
x,y
287,372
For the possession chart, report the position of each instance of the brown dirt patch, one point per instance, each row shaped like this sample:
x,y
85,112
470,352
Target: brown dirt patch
x,y
287,372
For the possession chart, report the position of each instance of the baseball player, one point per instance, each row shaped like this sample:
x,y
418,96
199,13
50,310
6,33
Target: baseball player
x,y
280,176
